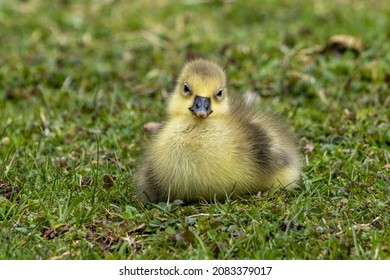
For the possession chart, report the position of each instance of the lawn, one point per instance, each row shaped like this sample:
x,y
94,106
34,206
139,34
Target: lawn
x,y
79,79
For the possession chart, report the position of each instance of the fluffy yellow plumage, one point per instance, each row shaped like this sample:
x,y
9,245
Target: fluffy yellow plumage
x,y
214,145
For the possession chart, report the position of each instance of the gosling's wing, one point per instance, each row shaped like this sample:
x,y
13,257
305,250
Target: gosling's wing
x,y
272,143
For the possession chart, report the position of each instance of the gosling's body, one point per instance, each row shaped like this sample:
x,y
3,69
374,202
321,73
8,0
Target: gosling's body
x,y
230,150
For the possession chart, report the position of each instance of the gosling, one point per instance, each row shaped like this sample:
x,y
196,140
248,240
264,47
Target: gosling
x,y
214,145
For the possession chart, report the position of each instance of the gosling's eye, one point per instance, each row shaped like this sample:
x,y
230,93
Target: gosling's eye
x,y
186,89
219,93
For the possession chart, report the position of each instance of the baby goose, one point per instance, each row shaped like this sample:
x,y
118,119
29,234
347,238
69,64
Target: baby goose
x,y
214,145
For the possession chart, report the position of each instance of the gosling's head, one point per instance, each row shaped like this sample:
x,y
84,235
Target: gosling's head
x,y
200,91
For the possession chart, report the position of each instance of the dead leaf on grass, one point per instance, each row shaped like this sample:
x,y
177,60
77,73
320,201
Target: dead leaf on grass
x,y
107,241
61,257
86,181
309,148
151,127
138,227
62,162
129,240
186,236
8,191
108,180
339,44
366,226
307,55
182,237
54,232
299,76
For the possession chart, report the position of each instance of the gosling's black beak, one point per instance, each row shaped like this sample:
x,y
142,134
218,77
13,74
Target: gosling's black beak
x,y
201,107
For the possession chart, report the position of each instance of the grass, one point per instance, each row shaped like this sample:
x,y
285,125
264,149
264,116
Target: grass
x,y
79,79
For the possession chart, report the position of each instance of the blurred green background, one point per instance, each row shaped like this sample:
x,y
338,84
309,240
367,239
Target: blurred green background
x,y
79,79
